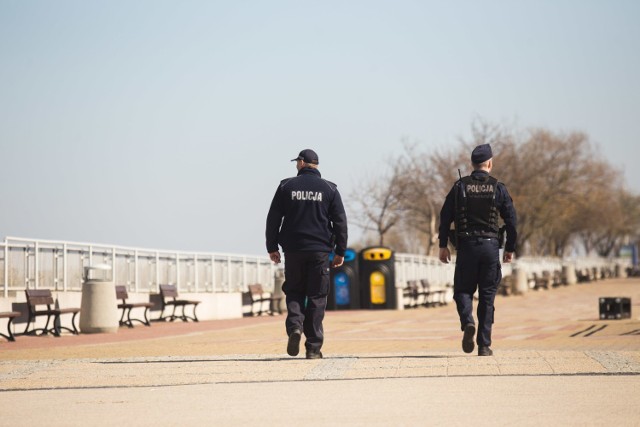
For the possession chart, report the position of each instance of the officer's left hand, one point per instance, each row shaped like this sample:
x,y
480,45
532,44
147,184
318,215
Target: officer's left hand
x,y
337,261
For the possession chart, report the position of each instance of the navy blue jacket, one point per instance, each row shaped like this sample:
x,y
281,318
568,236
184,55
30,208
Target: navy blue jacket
x,y
504,203
307,215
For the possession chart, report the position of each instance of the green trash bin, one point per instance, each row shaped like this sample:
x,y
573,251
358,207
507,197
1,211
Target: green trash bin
x,y
377,278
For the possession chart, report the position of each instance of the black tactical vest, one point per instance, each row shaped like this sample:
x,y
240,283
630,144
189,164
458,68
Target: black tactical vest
x,y
476,212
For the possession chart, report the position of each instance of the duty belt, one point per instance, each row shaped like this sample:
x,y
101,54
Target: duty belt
x,y
471,236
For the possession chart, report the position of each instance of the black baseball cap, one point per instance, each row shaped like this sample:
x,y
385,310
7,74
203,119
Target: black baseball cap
x,y
308,156
481,154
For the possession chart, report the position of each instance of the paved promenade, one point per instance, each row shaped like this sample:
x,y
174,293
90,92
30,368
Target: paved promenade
x,y
554,363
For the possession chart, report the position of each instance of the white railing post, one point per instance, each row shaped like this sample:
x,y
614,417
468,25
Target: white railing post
x,y
195,271
228,273
244,272
6,269
213,273
36,267
272,271
157,271
114,276
177,270
65,280
26,266
258,270
136,275
55,269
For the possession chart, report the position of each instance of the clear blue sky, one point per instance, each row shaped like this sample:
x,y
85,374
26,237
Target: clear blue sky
x,y
168,124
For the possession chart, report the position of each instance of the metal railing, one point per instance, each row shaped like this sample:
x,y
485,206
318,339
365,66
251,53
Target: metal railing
x,y
416,267
58,265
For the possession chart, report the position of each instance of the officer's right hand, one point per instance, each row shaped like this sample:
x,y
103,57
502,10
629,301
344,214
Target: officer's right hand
x,y
275,256
445,255
337,261
507,257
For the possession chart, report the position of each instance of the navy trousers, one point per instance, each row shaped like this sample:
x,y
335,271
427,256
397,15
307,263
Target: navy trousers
x,y
477,268
306,286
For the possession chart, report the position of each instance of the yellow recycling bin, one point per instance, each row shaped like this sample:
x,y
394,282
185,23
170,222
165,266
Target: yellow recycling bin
x,y
377,275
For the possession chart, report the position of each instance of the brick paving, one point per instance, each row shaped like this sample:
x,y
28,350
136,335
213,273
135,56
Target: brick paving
x,y
544,334
565,318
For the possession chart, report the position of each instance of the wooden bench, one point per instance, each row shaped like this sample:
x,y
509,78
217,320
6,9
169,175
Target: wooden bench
x,y
583,276
126,307
40,297
541,281
9,315
259,296
434,295
169,297
413,293
557,279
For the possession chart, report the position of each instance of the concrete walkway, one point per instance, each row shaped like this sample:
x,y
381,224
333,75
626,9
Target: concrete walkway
x,y
554,363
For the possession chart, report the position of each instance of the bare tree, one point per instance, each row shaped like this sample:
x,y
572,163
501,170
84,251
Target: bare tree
x,y
618,220
377,202
563,190
549,173
422,196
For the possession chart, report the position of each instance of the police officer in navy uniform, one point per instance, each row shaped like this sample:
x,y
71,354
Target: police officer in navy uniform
x,y
474,204
307,218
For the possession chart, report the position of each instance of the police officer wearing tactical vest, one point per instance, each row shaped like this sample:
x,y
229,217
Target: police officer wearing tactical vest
x,y
474,204
308,220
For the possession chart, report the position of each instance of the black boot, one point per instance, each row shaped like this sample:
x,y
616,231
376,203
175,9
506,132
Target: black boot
x,y
484,350
293,346
314,355
467,339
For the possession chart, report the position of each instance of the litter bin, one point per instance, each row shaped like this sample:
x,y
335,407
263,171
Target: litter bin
x,y
519,286
377,278
615,308
569,274
345,287
99,307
